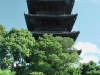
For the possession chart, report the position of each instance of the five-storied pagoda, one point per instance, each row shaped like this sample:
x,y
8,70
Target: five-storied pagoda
x,y
51,17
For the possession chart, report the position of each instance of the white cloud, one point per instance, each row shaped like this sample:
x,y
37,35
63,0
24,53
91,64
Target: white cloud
x,y
98,51
86,49
88,58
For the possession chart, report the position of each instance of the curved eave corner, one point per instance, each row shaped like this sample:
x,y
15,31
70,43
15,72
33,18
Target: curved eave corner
x,y
71,6
72,23
27,21
78,51
76,35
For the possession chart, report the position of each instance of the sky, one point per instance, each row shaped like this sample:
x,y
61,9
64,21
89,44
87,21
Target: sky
x,y
87,22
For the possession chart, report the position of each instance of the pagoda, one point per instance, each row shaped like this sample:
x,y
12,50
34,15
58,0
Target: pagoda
x,y
51,17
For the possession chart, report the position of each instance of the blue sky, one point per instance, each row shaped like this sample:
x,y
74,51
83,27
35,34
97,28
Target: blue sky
x,y
88,23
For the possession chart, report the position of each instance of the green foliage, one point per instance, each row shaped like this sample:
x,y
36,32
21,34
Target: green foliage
x,y
46,56
6,72
4,57
65,42
15,47
6,63
51,57
3,31
90,68
19,41
37,73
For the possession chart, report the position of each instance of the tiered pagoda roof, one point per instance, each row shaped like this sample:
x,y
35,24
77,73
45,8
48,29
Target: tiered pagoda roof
x,y
50,22
51,17
73,34
50,6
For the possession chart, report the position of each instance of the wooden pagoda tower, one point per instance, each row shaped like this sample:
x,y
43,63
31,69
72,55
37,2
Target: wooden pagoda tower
x,y
51,17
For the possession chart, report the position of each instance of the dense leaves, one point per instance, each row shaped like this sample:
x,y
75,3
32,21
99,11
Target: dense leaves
x,y
51,57
90,68
22,54
4,57
6,72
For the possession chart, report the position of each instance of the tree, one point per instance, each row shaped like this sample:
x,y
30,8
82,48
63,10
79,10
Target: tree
x,y
5,62
19,43
6,72
90,68
51,57
46,56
